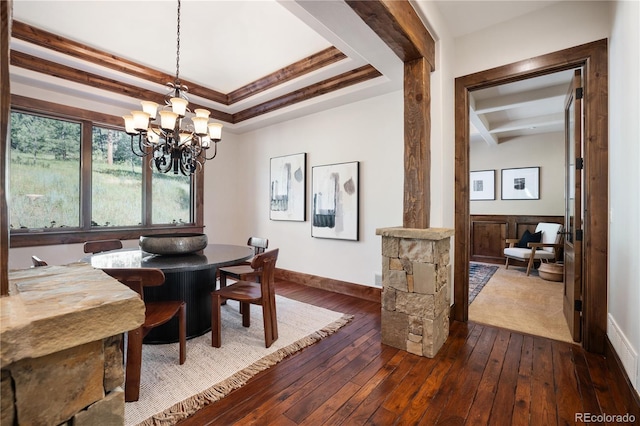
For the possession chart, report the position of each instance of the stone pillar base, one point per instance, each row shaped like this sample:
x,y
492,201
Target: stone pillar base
x,y
415,288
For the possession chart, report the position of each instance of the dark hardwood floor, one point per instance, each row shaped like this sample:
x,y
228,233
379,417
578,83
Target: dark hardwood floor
x,y
482,375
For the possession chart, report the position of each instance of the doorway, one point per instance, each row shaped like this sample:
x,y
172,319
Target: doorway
x,y
592,57
517,135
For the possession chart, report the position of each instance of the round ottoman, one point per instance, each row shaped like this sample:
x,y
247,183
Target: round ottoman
x,y
551,271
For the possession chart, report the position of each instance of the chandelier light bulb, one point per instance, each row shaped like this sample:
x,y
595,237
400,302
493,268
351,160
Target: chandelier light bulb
x,y
140,120
179,106
200,125
168,120
150,108
153,136
205,142
185,138
215,131
202,113
128,124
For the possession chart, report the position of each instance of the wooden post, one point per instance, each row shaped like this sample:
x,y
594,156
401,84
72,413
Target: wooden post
x,y
417,150
400,27
5,111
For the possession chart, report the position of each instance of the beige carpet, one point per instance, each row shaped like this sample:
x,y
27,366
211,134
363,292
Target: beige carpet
x,y
170,392
527,304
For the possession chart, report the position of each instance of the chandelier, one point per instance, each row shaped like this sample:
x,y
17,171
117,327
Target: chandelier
x,y
177,142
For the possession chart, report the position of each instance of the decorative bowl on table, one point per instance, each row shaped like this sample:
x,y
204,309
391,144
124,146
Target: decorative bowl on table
x,y
172,244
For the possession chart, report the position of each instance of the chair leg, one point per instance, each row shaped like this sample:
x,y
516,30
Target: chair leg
x,y
245,309
529,265
134,361
223,283
216,327
266,314
507,264
274,318
182,332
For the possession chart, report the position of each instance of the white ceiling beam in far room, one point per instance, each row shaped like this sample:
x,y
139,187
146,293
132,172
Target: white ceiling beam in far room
x,y
555,93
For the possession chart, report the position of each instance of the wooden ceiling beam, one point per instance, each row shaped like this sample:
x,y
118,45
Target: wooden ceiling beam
x,y
83,52
341,81
64,72
399,26
298,69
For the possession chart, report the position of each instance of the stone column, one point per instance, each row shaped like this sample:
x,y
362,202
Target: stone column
x,y
415,288
60,357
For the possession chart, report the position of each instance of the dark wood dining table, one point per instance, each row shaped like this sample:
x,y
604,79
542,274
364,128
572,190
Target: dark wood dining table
x,y
188,277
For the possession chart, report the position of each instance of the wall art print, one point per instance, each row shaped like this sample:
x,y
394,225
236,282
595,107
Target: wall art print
x,y
288,179
482,185
521,183
335,201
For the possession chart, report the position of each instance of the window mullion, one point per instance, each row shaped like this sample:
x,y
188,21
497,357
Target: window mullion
x,y
85,175
147,192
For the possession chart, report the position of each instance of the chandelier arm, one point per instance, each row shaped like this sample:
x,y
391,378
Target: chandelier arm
x,y
141,153
215,152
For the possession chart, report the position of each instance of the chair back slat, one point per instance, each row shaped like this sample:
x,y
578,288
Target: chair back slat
x,y
137,278
259,244
102,245
37,261
551,234
266,263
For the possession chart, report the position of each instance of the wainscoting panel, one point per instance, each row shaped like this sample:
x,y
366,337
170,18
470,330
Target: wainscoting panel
x,y
490,232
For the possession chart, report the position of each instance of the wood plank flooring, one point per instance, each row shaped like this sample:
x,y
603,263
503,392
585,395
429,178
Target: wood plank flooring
x,y
482,376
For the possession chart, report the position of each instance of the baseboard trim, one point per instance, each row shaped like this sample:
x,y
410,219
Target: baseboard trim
x,y
629,394
372,294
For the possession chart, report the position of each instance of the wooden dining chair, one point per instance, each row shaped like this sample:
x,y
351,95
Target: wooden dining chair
x,y
243,271
250,293
156,313
38,262
102,245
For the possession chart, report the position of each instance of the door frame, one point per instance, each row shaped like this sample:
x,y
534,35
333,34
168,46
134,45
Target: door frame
x,y
593,57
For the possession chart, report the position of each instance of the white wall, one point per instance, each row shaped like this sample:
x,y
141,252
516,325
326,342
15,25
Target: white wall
x,y
370,132
545,151
559,26
624,186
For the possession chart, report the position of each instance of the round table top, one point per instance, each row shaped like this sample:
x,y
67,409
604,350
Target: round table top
x,y
214,255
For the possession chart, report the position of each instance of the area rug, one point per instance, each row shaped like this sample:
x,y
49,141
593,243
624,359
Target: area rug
x,y
170,392
479,276
527,304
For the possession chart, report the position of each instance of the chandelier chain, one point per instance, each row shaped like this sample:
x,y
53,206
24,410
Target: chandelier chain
x,y
178,48
172,143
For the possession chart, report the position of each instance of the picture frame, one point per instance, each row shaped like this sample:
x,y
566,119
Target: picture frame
x,y
335,201
482,185
288,186
521,183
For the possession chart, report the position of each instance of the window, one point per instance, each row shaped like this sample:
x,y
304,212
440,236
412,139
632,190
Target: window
x,y
44,172
116,180
74,179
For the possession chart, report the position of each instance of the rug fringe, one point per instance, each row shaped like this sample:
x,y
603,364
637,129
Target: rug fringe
x,y
184,409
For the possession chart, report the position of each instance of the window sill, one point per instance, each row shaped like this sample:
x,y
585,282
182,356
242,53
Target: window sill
x,y
56,237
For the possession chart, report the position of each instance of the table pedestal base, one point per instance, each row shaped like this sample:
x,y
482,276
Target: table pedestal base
x,y
194,287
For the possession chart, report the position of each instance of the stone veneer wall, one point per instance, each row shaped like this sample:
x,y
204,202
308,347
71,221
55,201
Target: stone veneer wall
x,y
415,288
60,346
82,385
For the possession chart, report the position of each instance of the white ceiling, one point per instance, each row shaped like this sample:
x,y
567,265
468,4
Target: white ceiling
x,y
228,44
530,107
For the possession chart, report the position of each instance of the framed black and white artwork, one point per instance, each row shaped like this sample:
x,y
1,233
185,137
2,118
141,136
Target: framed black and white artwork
x,y
521,183
288,187
482,184
335,201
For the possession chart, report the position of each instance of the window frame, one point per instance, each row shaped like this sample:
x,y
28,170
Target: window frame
x,y
85,232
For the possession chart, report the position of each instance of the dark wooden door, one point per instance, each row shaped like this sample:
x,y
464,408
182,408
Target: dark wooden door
x,y
574,122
